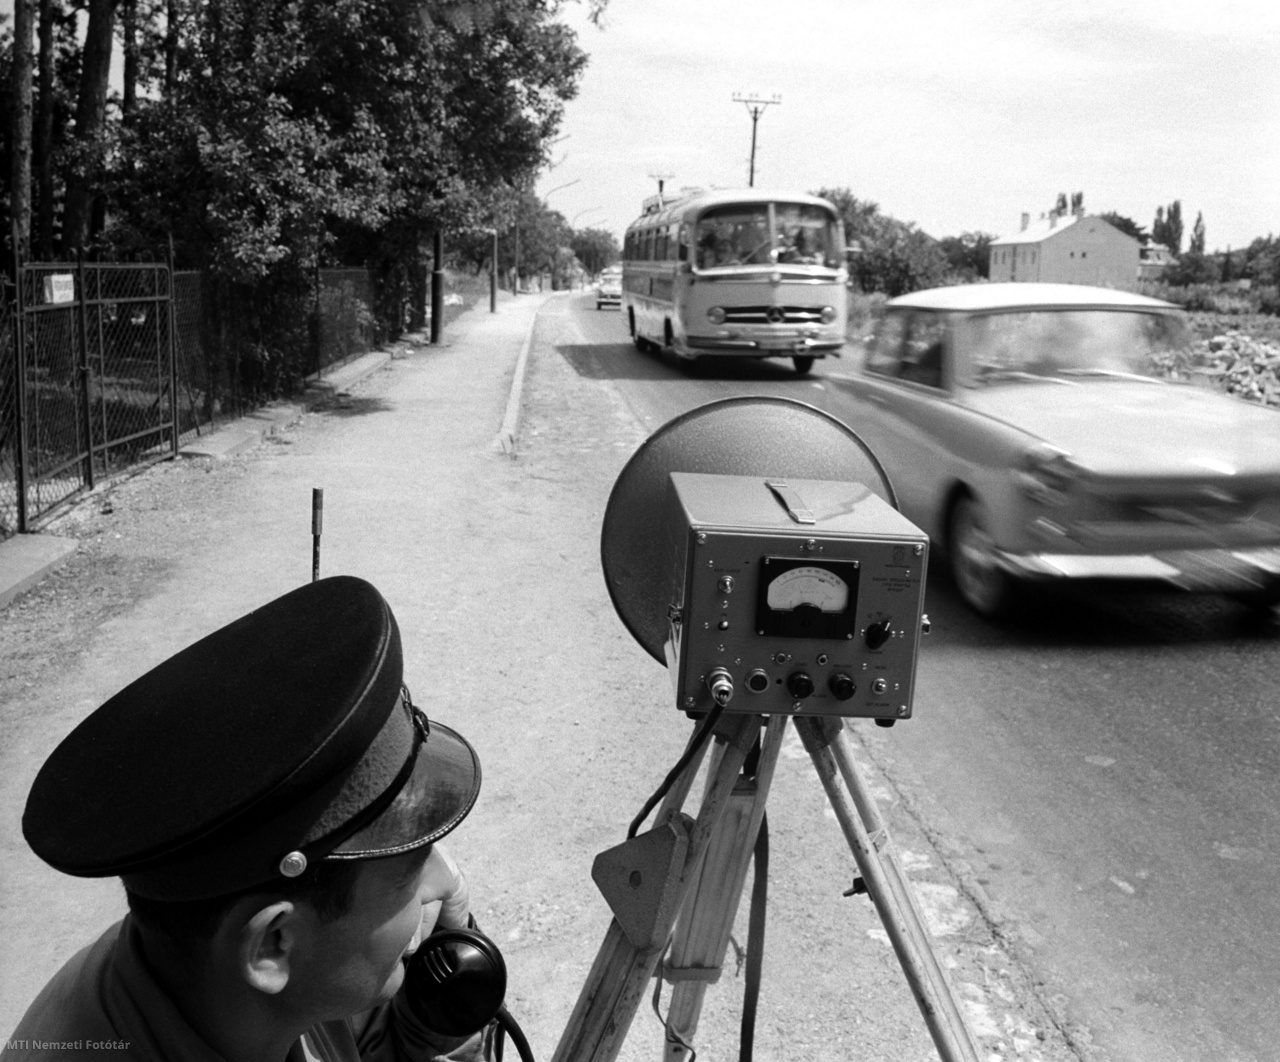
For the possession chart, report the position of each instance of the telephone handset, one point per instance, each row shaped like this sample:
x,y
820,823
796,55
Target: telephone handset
x,y
455,982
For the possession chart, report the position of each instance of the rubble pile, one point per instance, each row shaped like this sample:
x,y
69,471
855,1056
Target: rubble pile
x,y
1243,366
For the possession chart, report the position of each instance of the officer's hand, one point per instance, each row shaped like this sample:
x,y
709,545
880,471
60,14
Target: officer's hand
x,y
445,881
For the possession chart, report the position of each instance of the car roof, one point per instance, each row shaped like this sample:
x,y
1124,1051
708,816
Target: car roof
x,y
1015,296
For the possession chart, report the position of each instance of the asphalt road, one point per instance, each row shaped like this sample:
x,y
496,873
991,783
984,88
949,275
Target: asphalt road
x,y
1103,775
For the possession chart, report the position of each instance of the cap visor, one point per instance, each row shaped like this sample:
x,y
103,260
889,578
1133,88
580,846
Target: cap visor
x,y
438,795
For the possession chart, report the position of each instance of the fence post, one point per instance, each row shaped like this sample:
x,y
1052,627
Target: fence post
x,y
82,328
20,364
437,285
173,348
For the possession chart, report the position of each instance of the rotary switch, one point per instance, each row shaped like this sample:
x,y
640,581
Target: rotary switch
x,y
878,633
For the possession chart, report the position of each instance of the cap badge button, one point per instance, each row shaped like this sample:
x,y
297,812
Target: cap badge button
x,y
293,864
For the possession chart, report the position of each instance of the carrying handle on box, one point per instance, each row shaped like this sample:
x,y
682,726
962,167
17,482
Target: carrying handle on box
x,y
791,501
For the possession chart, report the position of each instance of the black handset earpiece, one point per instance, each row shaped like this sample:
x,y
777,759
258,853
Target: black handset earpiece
x,y
455,982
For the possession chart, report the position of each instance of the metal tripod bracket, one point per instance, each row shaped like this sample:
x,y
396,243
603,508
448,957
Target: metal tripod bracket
x,y
638,881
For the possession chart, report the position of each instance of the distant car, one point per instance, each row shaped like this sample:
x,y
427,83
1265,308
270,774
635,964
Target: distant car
x,y
1026,428
609,288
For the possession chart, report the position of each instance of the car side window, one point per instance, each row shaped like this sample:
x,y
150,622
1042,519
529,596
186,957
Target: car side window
x,y
923,351
886,349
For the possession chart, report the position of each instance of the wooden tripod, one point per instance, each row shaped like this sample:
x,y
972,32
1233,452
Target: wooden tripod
x,y
680,883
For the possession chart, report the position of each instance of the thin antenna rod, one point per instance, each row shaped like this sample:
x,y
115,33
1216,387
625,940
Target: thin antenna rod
x,y
317,524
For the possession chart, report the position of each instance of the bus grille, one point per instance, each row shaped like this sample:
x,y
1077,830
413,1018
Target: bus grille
x,y
759,315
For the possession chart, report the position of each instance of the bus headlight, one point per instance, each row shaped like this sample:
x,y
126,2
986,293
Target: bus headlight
x,y
828,314
716,315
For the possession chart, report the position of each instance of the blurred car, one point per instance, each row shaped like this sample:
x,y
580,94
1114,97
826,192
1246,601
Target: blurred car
x,y
609,288
1028,430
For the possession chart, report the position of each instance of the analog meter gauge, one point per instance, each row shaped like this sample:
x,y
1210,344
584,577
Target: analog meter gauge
x,y
804,599
810,586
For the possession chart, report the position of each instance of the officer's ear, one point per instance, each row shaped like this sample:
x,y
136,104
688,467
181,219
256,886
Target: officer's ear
x,y
265,944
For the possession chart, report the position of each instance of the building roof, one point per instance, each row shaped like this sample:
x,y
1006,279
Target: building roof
x,y
1038,231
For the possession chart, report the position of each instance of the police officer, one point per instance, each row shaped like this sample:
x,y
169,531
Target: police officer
x,y
273,801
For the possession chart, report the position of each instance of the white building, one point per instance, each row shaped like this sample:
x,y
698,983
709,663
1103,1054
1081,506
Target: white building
x,y
1067,249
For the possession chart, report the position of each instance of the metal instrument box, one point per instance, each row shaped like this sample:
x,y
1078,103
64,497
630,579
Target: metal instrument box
x,y
801,597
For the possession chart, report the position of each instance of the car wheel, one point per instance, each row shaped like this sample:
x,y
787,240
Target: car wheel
x,y
986,588
803,363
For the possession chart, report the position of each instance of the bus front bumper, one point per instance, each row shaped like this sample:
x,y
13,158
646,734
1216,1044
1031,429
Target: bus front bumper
x,y
766,345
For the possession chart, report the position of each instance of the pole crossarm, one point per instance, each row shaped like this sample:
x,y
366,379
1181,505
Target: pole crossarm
x,y
755,107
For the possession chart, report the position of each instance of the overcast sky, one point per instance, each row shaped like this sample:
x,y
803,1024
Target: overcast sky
x,y
957,115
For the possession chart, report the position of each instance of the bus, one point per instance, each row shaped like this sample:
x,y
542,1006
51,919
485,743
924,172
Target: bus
x,y
745,273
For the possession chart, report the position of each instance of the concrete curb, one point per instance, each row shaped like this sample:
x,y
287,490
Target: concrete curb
x,y
505,440
26,559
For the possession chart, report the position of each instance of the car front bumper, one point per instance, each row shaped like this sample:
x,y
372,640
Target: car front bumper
x,y
1201,570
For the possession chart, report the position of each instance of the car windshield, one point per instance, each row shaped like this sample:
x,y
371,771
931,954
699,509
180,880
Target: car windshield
x,y
742,235
1066,344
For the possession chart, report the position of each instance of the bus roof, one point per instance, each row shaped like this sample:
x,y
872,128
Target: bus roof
x,y
689,206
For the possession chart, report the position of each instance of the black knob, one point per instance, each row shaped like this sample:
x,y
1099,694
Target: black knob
x,y
878,634
799,684
842,686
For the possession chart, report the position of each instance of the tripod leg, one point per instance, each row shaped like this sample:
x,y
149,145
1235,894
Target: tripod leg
x,y
887,886
619,977
706,919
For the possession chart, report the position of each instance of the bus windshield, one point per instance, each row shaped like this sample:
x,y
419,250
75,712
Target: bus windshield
x,y
751,234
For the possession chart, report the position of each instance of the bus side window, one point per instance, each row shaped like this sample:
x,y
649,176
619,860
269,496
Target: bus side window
x,y
683,243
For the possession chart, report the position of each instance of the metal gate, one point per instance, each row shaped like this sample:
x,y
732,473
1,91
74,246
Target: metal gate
x,y
94,369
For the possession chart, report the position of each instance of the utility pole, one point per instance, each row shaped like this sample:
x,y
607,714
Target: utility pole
x,y
755,106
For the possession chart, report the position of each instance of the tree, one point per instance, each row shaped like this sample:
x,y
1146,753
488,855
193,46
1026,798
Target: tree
x,y
84,174
1167,227
1126,225
341,130
20,142
1194,267
595,248
886,254
968,255
1196,246
1261,261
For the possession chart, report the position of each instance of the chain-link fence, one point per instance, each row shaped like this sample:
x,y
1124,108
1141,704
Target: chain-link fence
x,y
92,380
345,323
131,358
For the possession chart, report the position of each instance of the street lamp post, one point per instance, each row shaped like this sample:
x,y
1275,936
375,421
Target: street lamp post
x,y
756,106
